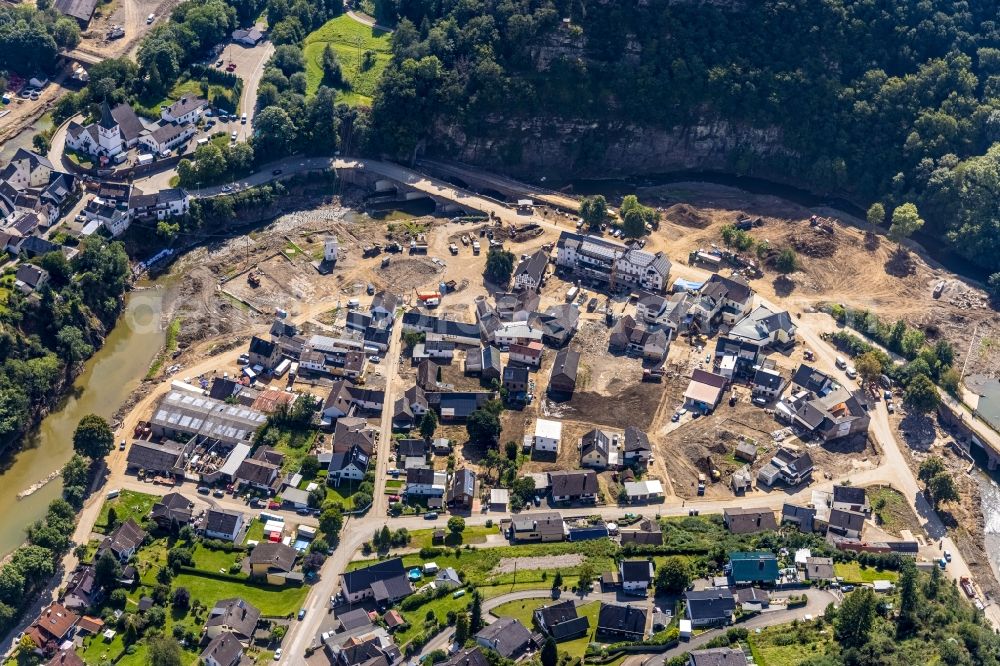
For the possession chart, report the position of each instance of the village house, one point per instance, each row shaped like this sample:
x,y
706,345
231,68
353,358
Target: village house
x,y
789,466
647,490
515,380
849,498
611,264
717,657
172,512
83,590
548,436
257,474
819,568
746,568
802,517
720,299
573,486
637,449
838,414
123,541
558,323
530,272
647,534
462,490
749,521
529,354
384,581
426,482
351,431
409,408
561,621
846,523
562,381
628,337
544,526
507,636
30,278
273,561
163,458
223,524
768,384
457,406
223,650
711,607
812,381
765,327
636,576
235,616
599,449
185,110
704,391
616,622
350,465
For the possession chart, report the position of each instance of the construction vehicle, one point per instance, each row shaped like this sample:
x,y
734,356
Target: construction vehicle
x,y
465,239
453,248
385,261
701,484
967,587
371,250
253,279
652,374
475,247
733,398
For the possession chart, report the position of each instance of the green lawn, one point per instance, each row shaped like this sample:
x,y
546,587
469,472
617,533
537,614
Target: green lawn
x,y
342,494
852,572
478,563
440,607
213,560
892,511
129,504
189,88
294,444
788,645
271,600
473,534
256,531
350,40
523,610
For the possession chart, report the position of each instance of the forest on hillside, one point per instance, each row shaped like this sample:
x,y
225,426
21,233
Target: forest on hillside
x,y
880,100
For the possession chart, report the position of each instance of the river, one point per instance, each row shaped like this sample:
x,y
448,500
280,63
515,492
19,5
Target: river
x,y
108,378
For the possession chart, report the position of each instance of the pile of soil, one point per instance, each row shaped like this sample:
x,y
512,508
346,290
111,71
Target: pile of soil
x,y
813,243
686,216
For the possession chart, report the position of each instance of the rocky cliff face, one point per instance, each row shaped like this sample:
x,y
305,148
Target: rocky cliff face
x,y
578,149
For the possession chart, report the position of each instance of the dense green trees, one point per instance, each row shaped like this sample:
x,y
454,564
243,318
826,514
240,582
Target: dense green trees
x,y
594,211
93,437
897,101
31,566
499,266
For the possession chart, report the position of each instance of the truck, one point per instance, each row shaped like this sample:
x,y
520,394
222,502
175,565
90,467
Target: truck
x,y
571,294
701,484
453,248
475,247
282,367
294,370
967,587
371,250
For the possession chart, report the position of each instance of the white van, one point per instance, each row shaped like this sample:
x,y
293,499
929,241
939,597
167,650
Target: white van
x,y
841,363
150,18
114,493
202,141
851,373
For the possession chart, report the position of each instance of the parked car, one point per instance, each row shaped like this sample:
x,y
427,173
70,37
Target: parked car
x,y
232,136
302,613
431,515
303,512
204,490
395,498
121,445
277,654
375,358
243,119
219,493
273,505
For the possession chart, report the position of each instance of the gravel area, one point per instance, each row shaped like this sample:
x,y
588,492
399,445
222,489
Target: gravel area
x,y
507,564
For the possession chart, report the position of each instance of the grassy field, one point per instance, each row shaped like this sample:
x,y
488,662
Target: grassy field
x,y
892,511
271,600
129,504
788,645
852,572
350,40
294,444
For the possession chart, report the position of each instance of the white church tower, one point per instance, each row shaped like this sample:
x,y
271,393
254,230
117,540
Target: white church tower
x,y
109,134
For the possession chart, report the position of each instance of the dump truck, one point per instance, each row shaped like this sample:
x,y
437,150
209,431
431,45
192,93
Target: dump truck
x,y
475,247
371,250
453,248
652,374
